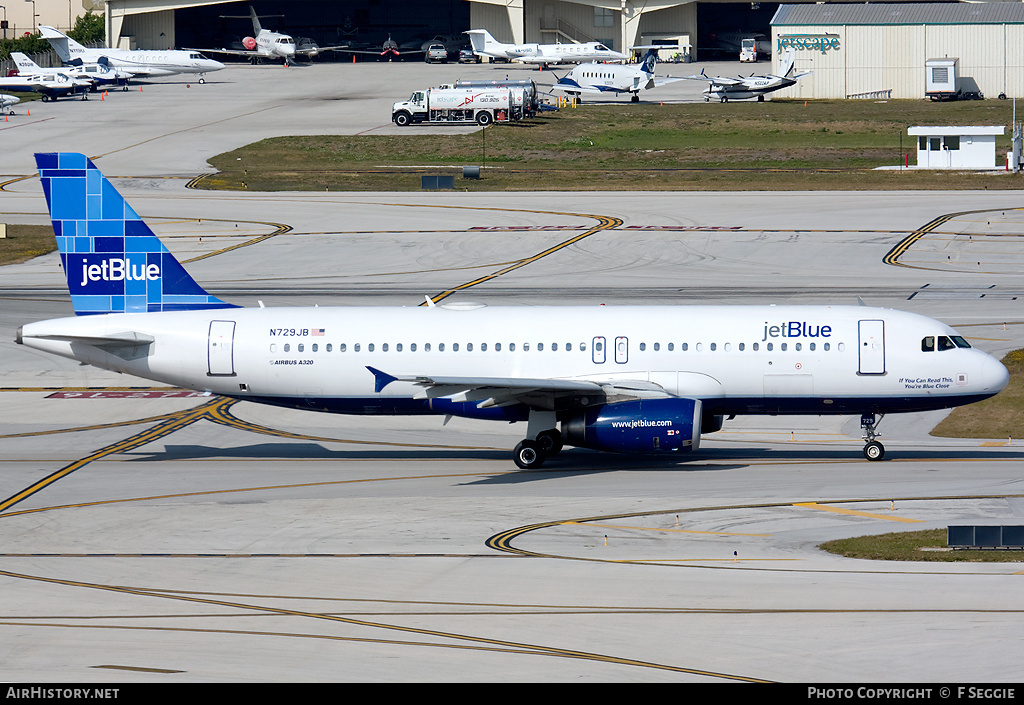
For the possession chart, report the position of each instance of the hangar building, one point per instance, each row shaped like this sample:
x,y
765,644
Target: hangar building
x,y
858,50
852,50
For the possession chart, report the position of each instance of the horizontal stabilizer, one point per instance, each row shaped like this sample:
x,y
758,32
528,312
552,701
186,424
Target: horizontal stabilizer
x,y
114,340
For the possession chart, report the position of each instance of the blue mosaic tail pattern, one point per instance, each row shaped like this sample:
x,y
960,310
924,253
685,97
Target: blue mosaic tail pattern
x,y
112,260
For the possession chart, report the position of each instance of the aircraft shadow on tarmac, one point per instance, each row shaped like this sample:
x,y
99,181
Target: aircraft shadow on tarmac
x,y
310,451
572,461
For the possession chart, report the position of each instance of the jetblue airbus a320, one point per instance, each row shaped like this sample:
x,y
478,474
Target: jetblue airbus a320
x,y
633,379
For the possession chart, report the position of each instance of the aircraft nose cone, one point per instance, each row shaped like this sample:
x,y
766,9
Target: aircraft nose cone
x,y
996,375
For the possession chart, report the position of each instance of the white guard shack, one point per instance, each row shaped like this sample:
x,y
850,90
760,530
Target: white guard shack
x,y
956,147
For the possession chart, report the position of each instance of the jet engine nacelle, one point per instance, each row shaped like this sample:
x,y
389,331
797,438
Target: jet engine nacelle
x,y
249,43
640,426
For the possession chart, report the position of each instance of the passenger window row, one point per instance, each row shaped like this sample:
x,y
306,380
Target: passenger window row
x,y
427,347
556,347
741,347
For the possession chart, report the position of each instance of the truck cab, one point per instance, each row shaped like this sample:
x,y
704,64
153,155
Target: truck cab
x,y
409,111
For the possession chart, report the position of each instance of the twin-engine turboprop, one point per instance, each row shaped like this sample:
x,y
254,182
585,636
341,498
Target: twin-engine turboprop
x,y
725,88
633,379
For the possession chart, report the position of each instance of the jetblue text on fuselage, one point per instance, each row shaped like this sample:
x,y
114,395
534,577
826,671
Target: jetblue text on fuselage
x,y
796,329
115,270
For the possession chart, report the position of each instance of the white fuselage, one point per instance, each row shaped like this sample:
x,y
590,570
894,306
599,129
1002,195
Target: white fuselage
x,y
609,78
485,45
748,88
276,45
150,62
737,360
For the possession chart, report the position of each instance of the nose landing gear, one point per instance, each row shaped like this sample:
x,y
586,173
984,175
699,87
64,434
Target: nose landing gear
x,y
873,450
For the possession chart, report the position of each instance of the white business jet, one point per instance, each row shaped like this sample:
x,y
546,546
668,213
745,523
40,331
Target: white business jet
x,y
266,44
98,74
138,62
739,88
543,54
612,78
632,379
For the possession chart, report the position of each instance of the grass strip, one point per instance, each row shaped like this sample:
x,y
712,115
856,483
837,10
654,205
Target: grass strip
x,y
776,145
913,546
1001,416
23,242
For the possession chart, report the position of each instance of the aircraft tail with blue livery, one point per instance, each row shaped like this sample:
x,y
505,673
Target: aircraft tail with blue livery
x,y
112,260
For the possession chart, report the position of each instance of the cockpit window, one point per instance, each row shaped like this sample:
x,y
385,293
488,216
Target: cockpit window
x,y
960,342
928,343
945,343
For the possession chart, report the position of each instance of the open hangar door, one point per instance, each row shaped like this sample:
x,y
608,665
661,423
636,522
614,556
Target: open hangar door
x,y
721,24
364,23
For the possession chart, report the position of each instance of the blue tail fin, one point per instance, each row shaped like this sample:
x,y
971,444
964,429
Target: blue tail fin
x,y
650,60
112,260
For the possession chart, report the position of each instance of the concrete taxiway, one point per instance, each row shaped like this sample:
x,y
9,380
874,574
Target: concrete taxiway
x,y
155,535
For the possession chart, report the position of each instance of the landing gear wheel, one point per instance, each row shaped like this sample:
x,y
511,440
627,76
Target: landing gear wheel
x,y
874,450
202,80
550,442
528,455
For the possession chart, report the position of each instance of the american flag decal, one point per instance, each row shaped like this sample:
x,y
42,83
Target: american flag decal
x,y
316,331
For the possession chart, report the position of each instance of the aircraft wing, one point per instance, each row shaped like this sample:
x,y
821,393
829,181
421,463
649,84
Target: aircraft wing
x,y
313,50
575,88
378,52
531,59
717,80
232,52
505,391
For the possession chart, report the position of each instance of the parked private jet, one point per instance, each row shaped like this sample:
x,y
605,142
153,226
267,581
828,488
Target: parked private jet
x,y
614,78
49,87
266,44
633,379
739,88
390,49
543,54
98,74
138,62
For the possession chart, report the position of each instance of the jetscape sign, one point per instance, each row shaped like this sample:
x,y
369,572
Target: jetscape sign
x,y
809,42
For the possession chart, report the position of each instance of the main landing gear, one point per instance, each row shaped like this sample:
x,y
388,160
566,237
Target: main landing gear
x,y
873,450
542,441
